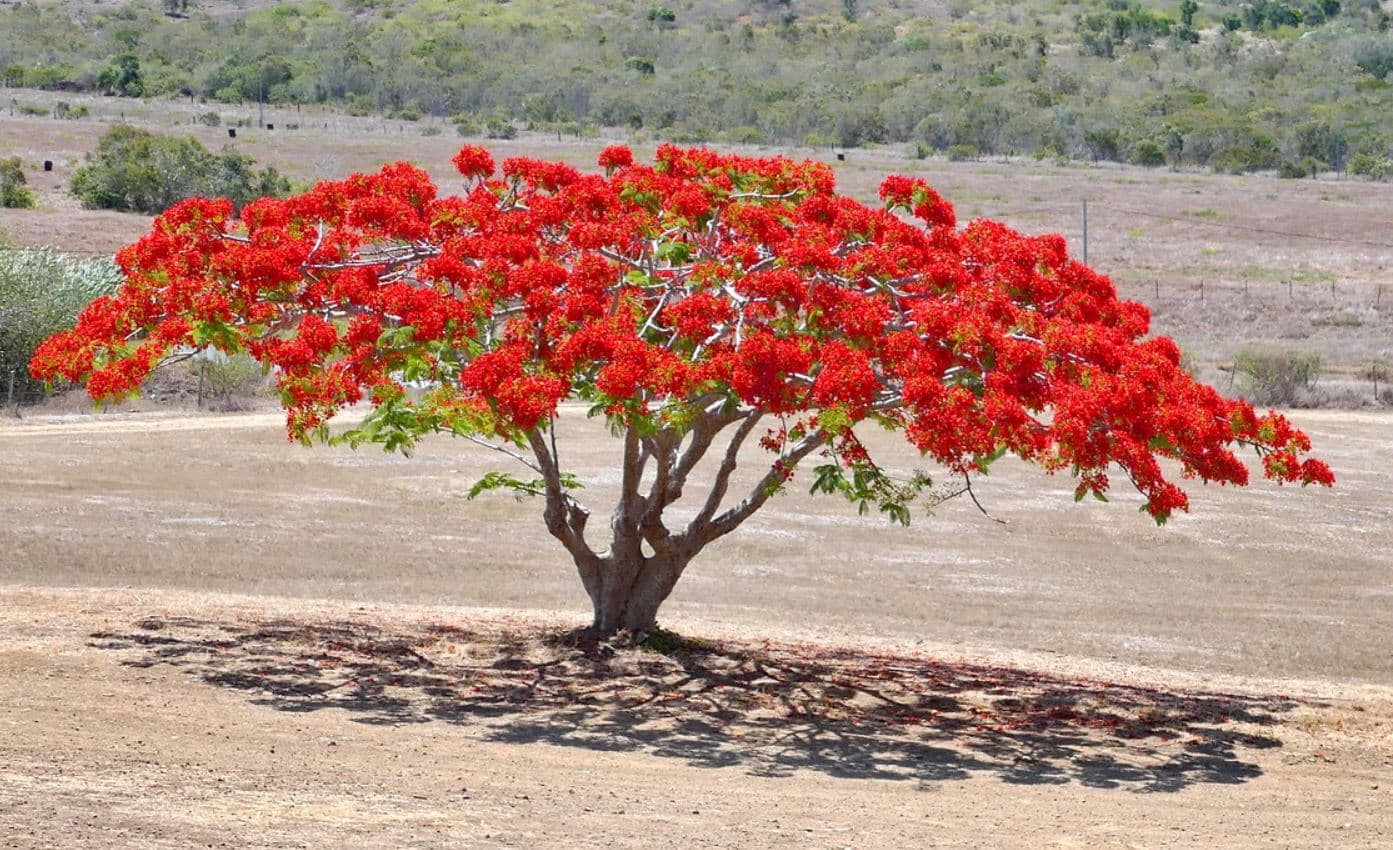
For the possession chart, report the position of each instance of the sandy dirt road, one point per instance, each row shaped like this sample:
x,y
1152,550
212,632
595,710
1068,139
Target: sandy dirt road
x,y
210,637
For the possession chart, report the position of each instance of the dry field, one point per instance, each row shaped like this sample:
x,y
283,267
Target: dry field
x,y
210,636
1223,261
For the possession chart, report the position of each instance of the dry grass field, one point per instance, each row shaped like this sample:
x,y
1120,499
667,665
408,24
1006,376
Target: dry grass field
x,y
1223,261
210,637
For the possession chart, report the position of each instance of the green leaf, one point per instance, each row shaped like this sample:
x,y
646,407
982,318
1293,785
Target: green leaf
x,y
503,481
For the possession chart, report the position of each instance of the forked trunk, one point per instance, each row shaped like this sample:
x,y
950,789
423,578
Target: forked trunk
x,y
626,585
627,595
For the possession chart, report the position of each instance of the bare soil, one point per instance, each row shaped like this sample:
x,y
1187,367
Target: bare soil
x,y
211,637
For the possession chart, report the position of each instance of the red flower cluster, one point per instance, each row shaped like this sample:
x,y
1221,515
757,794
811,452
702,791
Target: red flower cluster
x,y
701,276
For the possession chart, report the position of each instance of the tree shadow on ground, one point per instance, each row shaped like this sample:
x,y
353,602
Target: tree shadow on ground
x,y
770,709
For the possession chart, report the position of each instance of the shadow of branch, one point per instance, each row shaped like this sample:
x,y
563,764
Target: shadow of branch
x,y
770,709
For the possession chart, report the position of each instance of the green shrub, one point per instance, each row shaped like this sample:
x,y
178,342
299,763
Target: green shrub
x,y
963,153
140,171
466,125
745,135
63,109
13,194
226,379
1147,153
1291,169
210,119
41,293
497,128
1371,166
1277,378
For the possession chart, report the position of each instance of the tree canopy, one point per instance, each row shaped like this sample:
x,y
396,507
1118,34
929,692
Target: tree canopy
x,y
706,299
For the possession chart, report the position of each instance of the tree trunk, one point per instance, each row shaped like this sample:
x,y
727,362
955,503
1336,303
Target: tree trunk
x,y
626,595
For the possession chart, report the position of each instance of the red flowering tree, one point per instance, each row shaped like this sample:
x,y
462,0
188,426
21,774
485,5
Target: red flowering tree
x,y
701,303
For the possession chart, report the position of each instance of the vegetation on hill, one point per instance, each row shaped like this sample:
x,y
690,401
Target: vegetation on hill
x,y
1236,86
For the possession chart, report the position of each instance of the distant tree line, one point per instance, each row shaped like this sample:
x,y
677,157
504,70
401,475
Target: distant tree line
x,y
1299,86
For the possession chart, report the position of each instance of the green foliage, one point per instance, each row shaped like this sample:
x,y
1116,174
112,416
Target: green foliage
x,y
13,194
1371,166
41,293
1223,85
1146,152
869,486
963,153
123,77
63,109
497,128
1291,169
140,171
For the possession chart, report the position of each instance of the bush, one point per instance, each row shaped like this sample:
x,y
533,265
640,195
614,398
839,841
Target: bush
x,y
1371,166
41,293
63,109
497,128
210,119
1147,153
1304,167
13,195
228,380
465,125
1277,378
139,171
963,153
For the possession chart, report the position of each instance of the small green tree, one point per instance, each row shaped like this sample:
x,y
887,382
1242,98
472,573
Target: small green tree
x,y
139,171
123,77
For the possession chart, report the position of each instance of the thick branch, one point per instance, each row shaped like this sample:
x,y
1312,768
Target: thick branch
x,y
767,486
626,517
651,526
564,516
703,434
727,468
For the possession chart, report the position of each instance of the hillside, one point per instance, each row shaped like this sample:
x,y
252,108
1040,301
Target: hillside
x,y
1299,86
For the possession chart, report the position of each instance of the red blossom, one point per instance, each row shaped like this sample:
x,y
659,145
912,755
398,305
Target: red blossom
x,y
473,161
734,282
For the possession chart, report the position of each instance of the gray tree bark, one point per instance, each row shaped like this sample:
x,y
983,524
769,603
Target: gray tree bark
x,y
629,582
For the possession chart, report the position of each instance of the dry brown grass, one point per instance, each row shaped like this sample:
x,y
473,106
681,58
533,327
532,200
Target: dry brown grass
x,y
1212,255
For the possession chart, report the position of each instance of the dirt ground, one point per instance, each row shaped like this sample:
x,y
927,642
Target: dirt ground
x,y
209,637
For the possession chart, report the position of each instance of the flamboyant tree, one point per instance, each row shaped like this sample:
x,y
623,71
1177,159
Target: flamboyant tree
x,y
698,304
